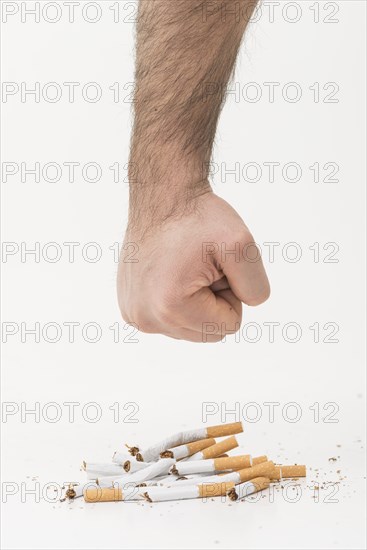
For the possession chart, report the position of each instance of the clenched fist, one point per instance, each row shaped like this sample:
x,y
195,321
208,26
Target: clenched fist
x,y
190,273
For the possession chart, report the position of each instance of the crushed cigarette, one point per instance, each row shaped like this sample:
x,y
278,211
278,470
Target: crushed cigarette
x,y
178,492
264,469
248,488
134,466
183,451
120,458
211,465
182,438
155,469
187,465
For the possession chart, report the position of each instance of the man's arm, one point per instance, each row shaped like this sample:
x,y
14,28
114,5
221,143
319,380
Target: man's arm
x,y
186,52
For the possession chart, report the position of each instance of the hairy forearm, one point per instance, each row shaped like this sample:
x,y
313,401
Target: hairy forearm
x,y
186,52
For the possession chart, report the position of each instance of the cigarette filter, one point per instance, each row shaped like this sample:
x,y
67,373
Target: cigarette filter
x,y
216,450
293,471
177,492
182,451
211,465
276,474
232,462
103,494
248,488
76,490
224,430
111,494
259,459
264,469
182,438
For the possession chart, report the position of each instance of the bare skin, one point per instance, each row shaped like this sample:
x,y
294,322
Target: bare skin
x,y
196,261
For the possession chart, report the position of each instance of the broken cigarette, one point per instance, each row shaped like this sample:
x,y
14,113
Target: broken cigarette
x,y
183,451
265,469
216,450
76,490
211,465
188,465
159,468
114,493
152,453
120,458
159,494
248,488
131,466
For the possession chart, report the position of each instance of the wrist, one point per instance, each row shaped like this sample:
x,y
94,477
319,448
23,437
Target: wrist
x,y
163,186
150,208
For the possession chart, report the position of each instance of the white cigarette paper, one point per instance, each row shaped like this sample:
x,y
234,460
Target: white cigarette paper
x,y
132,465
152,453
177,492
159,468
183,451
120,457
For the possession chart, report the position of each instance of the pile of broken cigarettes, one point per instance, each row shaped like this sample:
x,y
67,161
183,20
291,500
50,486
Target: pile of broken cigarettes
x,y
187,465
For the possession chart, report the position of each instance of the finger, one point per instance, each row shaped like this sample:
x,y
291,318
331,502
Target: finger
x,y
221,284
194,336
245,272
212,313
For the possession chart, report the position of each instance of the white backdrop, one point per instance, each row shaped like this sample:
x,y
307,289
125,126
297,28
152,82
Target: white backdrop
x,y
297,101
